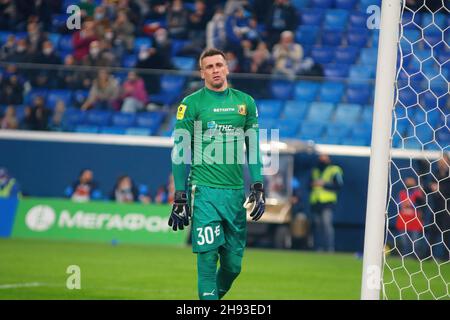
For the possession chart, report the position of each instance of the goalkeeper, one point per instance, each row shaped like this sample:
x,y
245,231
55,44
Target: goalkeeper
x,y
213,194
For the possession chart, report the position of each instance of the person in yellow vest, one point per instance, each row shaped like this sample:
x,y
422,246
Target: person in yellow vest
x,y
326,181
9,187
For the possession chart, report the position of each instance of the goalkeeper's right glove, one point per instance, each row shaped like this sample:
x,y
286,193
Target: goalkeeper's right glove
x,y
179,217
256,201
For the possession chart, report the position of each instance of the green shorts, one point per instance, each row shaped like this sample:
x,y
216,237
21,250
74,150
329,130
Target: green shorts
x,y
218,219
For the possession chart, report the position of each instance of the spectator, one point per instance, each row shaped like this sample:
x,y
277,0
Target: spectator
x,y
216,36
46,77
8,48
11,90
40,114
35,38
125,191
237,27
177,20
85,188
161,195
287,55
232,61
82,40
101,20
158,9
327,179
258,60
281,16
7,14
21,54
104,92
409,222
9,188
99,55
87,7
57,122
134,94
27,123
68,78
9,120
197,22
124,31
308,67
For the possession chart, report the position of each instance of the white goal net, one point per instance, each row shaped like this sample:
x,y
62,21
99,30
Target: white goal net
x,y
416,262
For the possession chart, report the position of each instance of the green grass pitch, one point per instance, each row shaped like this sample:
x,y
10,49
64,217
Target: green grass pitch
x,y
32,269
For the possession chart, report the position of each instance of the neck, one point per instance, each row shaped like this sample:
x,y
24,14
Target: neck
x,y
222,88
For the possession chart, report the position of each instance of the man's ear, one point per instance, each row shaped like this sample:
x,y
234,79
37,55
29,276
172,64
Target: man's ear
x,y
202,75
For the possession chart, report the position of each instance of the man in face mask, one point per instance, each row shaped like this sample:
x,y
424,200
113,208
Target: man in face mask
x,y
326,180
8,185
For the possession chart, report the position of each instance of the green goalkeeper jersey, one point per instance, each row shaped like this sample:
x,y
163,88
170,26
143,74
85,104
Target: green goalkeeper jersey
x,y
217,125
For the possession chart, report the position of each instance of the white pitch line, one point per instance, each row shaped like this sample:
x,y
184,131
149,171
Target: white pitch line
x,y
21,285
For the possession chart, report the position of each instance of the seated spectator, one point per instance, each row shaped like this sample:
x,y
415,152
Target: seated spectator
x,y
45,77
125,191
35,38
21,54
8,48
287,55
258,60
237,27
101,19
198,19
40,114
281,16
84,189
27,123
9,188
161,195
104,92
99,55
124,31
177,20
233,63
134,94
68,78
9,120
82,40
11,90
57,122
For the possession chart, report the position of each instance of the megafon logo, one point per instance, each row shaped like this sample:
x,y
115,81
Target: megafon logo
x,y
40,218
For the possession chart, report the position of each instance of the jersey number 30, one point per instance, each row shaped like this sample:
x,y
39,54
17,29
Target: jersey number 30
x,y
207,235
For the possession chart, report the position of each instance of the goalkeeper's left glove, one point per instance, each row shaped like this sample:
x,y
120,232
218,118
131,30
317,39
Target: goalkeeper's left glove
x,y
256,201
179,217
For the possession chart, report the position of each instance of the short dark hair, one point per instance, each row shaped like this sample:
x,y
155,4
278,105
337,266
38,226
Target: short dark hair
x,y
209,53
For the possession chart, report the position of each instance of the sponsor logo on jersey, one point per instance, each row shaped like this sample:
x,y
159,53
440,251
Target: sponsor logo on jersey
x,y
180,111
242,109
224,109
211,124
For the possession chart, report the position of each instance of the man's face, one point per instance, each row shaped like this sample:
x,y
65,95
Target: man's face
x,y
214,71
87,176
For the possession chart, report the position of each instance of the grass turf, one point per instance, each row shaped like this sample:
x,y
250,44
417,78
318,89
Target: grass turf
x,y
32,269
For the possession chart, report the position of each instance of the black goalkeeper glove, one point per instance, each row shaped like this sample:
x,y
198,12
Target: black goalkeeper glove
x,y
179,217
256,201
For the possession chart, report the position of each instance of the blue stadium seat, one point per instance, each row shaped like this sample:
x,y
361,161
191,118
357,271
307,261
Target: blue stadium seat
x,y
129,60
434,19
121,119
320,112
312,17
300,4
288,128
307,34
358,93
430,101
411,35
310,130
357,37
55,95
439,86
178,45
325,4
65,43
74,117
86,129
171,89
322,55
267,124
412,143
336,70
362,131
58,21
345,4
140,42
335,19
54,39
347,113
357,19
374,38
332,38
138,132
331,92
369,56
269,108
98,117
361,72
150,120
337,130
306,90
367,115
112,130
295,109
346,55
281,89
184,63
35,93
79,96
4,36
328,140
407,97
433,38
364,4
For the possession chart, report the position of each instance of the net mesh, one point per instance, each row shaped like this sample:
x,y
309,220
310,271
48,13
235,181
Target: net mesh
x,y
416,258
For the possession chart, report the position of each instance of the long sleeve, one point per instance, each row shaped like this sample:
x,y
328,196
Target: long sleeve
x,y
252,144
